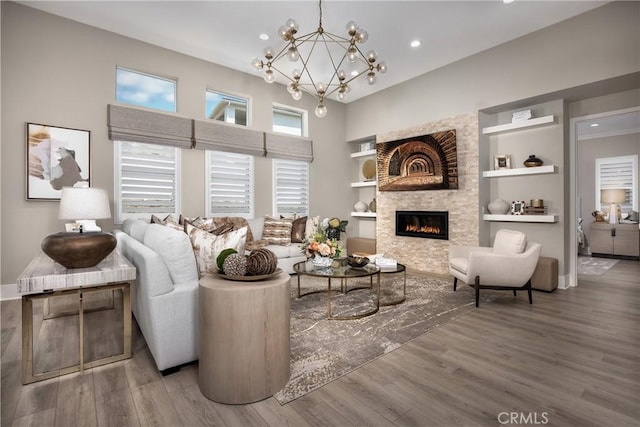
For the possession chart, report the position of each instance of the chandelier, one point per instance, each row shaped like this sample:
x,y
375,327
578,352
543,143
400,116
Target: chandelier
x,y
340,52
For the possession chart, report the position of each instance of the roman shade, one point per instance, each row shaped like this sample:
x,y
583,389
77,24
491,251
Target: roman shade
x,y
135,125
233,139
288,147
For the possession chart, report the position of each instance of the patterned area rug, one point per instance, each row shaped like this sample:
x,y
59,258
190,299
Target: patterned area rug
x,y
323,350
594,266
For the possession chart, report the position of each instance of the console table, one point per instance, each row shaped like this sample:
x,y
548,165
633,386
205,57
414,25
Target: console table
x,y
45,278
614,240
244,338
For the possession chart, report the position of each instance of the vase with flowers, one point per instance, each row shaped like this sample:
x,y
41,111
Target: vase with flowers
x,y
321,248
334,227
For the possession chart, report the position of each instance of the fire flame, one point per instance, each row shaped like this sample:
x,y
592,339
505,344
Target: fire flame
x,y
422,229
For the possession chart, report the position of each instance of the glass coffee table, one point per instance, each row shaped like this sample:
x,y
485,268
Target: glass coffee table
x,y
342,272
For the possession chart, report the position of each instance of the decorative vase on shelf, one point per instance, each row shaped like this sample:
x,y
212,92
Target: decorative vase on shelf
x,y
373,205
533,161
498,207
321,261
360,206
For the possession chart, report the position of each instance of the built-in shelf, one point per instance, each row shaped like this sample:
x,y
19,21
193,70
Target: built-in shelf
x,y
365,153
371,183
521,218
521,171
524,124
364,214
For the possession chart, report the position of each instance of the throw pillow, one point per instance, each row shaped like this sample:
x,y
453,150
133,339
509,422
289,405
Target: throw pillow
x,y
236,222
277,231
207,246
298,227
312,226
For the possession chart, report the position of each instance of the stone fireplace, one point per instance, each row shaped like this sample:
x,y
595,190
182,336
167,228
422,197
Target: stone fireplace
x,y
423,224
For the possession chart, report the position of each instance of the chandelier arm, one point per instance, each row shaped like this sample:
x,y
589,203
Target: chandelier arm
x,y
333,64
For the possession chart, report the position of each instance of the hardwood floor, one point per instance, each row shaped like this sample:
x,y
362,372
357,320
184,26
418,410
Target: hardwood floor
x,y
570,359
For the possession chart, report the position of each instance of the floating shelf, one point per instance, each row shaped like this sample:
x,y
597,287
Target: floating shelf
x,y
365,153
520,171
524,124
521,218
364,184
364,214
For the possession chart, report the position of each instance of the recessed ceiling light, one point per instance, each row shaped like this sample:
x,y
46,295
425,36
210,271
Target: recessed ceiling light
x,y
415,43
507,1
594,124
354,73
264,36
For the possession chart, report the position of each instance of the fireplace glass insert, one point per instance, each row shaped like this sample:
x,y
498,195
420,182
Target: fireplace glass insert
x,y
424,224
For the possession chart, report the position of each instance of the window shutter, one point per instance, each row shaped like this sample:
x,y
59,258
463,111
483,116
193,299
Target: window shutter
x,y
147,180
291,181
618,173
229,184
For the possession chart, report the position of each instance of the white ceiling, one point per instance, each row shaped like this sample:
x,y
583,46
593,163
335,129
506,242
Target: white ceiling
x,y
226,32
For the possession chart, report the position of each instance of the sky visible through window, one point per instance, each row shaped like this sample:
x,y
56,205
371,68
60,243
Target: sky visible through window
x,y
145,90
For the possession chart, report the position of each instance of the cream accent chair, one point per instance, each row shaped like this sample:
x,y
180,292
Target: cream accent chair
x,y
508,265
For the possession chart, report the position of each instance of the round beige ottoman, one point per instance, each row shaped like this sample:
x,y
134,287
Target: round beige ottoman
x,y
244,338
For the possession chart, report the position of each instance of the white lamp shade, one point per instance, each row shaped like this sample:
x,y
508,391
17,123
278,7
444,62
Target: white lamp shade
x,y
84,203
616,195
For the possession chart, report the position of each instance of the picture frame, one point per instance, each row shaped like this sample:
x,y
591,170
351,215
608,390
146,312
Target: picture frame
x,y
56,157
502,161
517,207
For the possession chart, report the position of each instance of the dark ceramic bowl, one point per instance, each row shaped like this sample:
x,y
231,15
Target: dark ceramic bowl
x,y
357,261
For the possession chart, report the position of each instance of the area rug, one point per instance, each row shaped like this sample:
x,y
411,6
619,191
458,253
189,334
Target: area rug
x,y
594,266
323,350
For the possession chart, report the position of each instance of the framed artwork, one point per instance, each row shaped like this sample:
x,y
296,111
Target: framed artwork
x,y
56,157
517,207
502,161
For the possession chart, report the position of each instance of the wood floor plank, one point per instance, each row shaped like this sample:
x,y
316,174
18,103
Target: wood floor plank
x,y
574,355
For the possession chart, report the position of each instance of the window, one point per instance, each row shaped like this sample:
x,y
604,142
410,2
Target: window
x,y
290,177
145,90
229,184
289,121
147,180
226,108
618,173
291,187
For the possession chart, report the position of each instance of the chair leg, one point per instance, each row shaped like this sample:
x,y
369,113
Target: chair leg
x,y
514,293
529,291
455,283
477,286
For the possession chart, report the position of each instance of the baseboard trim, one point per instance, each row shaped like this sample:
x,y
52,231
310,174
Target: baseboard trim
x,y
9,292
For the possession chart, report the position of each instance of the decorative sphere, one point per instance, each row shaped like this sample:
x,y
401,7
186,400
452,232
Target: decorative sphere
x,y
498,207
360,206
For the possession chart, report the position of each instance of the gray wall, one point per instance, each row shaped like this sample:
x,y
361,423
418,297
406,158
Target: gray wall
x,y
59,72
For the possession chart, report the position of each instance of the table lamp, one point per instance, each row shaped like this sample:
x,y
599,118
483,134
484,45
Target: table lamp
x,y
613,196
90,245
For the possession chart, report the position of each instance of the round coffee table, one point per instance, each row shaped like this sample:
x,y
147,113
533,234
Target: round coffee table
x,y
343,273
400,268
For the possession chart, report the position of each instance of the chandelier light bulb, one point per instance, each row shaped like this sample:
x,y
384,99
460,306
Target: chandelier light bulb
x,y
352,28
291,87
382,67
296,94
372,56
292,54
362,36
371,77
342,95
321,88
269,77
341,75
352,54
292,25
257,64
268,52
321,111
284,34
296,74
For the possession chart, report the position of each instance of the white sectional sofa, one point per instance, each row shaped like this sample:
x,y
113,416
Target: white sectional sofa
x,y
165,296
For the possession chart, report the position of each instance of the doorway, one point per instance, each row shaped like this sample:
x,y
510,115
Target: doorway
x,y
603,131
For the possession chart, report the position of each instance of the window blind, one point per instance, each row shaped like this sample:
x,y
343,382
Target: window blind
x,y
288,147
147,179
228,138
291,187
618,173
135,125
229,184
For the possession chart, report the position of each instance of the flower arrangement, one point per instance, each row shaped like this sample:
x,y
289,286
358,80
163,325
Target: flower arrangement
x,y
320,244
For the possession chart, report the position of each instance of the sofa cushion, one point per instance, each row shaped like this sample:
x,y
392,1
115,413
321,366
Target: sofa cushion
x,y
509,242
135,228
207,246
256,226
174,248
277,231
